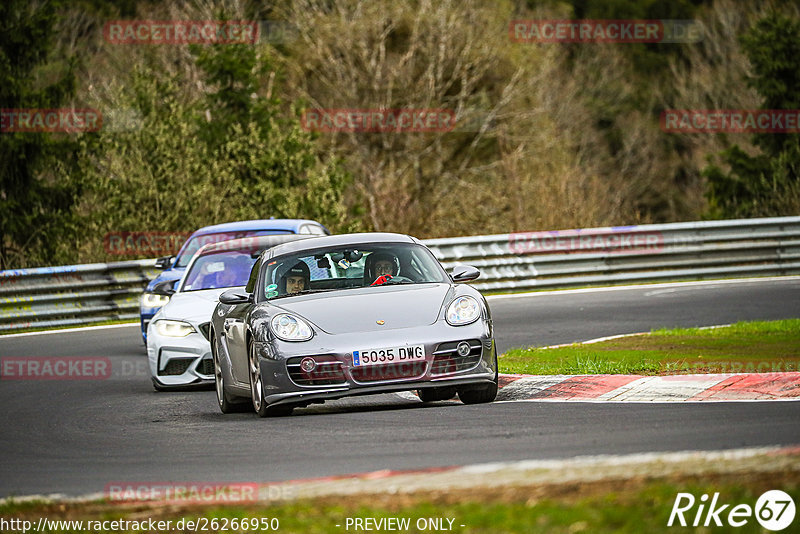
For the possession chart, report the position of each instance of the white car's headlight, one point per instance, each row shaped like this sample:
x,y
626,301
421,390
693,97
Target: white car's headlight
x,y
169,328
154,300
291,328
463,310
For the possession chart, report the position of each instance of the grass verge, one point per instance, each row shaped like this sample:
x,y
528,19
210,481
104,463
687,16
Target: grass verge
x,y
638,504
746,347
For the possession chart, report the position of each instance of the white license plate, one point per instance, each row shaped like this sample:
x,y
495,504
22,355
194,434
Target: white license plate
x,y
413,353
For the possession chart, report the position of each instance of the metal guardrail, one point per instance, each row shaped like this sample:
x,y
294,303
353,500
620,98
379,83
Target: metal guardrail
x,y
646,253
83,294
72,295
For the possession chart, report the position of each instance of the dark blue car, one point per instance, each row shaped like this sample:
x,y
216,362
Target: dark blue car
x,y
157,292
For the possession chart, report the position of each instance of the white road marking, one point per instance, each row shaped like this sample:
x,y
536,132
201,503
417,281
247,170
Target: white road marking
x,y
70,330
664,388
644,286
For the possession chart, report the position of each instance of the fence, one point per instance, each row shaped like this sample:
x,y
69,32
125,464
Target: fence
x,y
82,294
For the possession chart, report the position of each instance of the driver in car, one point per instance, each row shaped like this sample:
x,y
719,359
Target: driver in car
x,y
381,267
295,279
234,274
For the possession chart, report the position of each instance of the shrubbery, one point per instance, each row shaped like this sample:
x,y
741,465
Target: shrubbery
x,y
559,135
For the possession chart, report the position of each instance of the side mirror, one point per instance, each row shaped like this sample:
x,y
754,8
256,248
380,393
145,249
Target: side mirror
x,y
235,296
167,287
164,262
464,273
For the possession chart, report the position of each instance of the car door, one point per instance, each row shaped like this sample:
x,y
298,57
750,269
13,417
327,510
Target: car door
x,y
235,330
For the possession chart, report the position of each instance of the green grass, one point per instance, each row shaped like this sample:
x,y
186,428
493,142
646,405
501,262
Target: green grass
x,y
762,346
612,506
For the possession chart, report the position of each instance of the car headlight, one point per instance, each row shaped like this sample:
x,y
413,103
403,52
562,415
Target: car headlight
x,y
291,328
154,300
463,310
174,328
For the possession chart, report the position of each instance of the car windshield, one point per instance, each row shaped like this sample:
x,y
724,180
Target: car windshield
x,y
349,267
221,269
194,244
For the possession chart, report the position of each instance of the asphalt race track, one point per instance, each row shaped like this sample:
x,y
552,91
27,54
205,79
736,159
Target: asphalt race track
x,y
75,437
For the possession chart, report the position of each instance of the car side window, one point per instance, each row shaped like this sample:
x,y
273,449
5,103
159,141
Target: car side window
x,y
251,282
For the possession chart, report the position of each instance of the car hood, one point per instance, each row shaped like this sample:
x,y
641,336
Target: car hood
x,y
359,310
196,306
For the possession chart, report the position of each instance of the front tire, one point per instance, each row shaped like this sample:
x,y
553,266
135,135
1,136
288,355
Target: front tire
x,y
257,389
436,394
225,405
481,395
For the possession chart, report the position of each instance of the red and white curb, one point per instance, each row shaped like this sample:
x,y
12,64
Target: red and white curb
x,y
637,388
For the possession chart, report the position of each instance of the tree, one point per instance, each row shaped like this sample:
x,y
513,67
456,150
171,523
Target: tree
x,y
35,196
229,151
270,164
765,184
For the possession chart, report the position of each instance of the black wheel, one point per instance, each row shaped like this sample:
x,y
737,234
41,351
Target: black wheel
x,y
257,390
436,394
483,394
256,387
479,396
223,401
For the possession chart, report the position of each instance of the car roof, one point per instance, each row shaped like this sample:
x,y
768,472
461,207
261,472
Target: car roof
x,y
340,240
284,225
251,243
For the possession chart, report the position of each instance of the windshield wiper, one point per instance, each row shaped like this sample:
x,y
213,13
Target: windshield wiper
x,y
394,282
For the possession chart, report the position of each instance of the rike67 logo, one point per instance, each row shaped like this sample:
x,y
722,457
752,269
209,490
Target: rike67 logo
x,y
774,510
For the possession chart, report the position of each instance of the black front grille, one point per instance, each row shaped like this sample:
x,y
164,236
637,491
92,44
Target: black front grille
x,y
446,359
206,367
329,371
388,371
176,366
205,329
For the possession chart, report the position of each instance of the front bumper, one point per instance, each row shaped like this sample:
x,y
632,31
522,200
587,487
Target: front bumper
x,y
285,383
179,361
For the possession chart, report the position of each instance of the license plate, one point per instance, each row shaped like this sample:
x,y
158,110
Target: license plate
x,y
413,353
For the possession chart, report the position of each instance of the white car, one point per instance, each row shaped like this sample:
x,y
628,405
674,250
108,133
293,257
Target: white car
x,y
178,349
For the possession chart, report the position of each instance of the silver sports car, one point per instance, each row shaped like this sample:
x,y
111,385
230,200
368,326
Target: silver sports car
x,y
178,351
357,314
